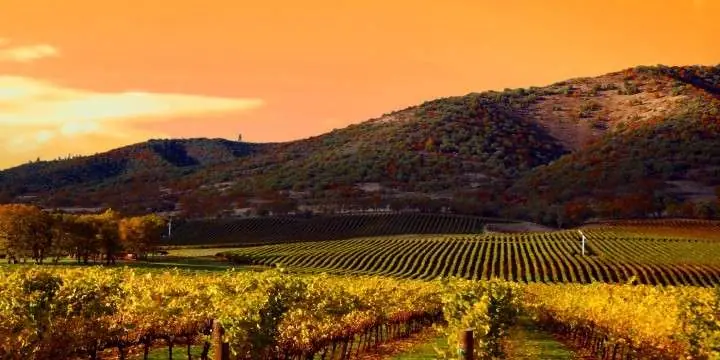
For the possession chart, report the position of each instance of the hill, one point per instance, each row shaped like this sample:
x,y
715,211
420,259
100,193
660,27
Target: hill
x,y
136,171
556,154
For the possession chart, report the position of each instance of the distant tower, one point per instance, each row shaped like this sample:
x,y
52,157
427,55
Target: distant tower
x,y
170,230
239,137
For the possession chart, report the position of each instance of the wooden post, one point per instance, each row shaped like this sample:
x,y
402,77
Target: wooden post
x,y
466,348
221,349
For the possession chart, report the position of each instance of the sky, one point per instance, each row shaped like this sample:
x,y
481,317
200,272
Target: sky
x,y
85,76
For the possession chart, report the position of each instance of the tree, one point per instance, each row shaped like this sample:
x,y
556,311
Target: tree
x,y
107,232
706,210
577,212
141,234
104,234
25,231
85,240
74,236
62,237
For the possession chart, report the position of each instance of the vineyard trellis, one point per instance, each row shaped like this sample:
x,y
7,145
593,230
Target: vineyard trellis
x,y
254,231
532,257
107,313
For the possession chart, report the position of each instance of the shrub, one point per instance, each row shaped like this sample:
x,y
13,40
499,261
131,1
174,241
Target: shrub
x,y
629,88
635,102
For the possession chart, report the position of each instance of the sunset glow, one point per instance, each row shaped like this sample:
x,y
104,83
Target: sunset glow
x,y
82,76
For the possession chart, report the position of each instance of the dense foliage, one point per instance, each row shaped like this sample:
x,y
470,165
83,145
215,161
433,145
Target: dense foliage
x,y
84,312
56,314
617,322
27,232
624,175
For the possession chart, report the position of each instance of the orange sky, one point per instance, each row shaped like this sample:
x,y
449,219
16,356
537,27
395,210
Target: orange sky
x,y
81,76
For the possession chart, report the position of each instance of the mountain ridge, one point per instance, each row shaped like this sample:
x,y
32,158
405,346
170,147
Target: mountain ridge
x,y
488,148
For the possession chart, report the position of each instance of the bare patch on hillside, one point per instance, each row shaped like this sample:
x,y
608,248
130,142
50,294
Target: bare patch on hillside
x,y
581,110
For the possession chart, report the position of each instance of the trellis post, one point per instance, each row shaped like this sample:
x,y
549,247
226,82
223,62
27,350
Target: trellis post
x,y
221,349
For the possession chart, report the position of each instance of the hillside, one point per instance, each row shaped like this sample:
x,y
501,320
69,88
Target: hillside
x,y
547,154
137,171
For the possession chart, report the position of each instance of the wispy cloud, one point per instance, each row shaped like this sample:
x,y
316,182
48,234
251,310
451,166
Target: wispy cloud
x,y
25,53
39,117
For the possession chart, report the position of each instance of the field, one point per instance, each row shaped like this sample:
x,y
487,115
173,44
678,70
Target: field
x,y
614,255
254,231
51,312
65,313
138,307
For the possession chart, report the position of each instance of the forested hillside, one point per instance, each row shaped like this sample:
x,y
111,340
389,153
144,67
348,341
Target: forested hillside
x,y
556,154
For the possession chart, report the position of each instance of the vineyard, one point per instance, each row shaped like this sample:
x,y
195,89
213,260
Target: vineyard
x,y
287,229
631,322
689,229
53,313
100,313
555,257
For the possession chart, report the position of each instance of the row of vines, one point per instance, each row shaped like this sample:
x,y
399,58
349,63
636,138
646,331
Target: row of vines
x,y
536,257
53,313
631,322
288,229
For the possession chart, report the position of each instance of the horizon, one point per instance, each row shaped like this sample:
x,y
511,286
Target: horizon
x,y
98,85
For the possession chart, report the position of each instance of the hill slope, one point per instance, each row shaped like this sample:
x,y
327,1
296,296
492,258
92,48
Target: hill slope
x,y
491,153
136,171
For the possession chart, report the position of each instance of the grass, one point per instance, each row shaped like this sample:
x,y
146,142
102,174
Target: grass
x,y
199,252
160,352
182,259
527,341
424,351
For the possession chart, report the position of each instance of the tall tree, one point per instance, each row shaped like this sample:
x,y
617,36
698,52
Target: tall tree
x,y
61,236
25,231
105,237
108,235
85,240
141,234
74,236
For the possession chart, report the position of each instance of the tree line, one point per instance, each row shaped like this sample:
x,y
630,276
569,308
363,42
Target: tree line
x,y
28,232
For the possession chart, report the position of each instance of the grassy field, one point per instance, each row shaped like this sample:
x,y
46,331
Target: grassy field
x,y
612,255
182,259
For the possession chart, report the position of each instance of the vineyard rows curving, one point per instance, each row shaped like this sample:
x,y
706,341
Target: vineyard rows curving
x,y
532,257
289,229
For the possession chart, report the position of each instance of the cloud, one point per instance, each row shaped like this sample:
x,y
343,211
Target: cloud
x,y
25,53
39,117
